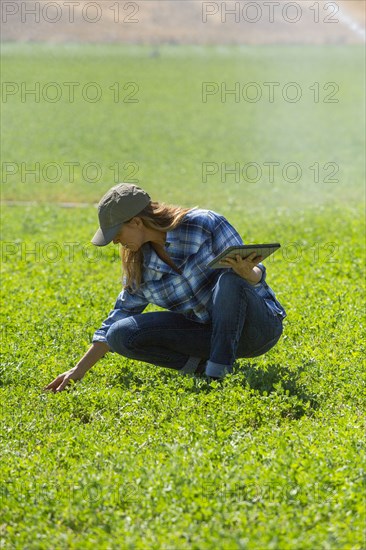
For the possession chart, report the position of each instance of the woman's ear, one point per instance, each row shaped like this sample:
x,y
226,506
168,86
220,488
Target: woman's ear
x,y
137,221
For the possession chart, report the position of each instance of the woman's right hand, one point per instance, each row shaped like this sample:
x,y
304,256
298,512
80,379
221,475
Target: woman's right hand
x,y
59,383
94,353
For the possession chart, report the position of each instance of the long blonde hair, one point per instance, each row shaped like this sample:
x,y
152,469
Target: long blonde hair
x,y
156,215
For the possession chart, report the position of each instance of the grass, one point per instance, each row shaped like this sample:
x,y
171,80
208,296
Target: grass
x,y
136,456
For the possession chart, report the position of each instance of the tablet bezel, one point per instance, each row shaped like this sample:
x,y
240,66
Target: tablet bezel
x,y
267,250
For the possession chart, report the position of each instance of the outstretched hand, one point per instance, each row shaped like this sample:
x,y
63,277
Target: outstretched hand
x,y
243,266
60,383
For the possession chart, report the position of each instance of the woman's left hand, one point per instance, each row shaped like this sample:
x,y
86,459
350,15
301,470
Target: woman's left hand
x,y
244,266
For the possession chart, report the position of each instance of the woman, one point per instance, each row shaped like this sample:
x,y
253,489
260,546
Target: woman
x,y
212,317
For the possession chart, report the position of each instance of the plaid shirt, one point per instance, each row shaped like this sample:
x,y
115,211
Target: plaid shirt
x,y
202,235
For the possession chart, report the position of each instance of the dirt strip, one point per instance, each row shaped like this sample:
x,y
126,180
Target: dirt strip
x,y
60,204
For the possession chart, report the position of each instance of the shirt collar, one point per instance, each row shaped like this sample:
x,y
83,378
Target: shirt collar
x,y
152,260
172,237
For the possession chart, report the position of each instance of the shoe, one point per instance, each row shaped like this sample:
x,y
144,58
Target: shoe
x,y
201,367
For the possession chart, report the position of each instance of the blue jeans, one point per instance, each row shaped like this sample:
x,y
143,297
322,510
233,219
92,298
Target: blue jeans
x,y
241,326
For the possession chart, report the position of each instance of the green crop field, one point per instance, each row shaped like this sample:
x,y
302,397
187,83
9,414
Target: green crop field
x,y
135,456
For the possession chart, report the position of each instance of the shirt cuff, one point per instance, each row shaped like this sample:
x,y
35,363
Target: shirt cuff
x,y
100,337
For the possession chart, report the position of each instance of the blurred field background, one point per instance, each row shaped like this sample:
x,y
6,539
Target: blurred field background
x,y
166,140
139,457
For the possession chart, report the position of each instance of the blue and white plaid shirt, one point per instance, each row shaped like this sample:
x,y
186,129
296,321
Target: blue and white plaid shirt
x,y
201,236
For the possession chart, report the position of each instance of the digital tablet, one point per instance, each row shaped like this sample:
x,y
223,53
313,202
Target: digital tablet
x,y
244,251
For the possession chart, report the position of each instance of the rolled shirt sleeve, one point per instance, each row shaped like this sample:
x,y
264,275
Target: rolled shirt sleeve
x,y
127,304
225,235
264,274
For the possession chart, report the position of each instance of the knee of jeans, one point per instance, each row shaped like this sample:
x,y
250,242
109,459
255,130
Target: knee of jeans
x,y
229,281
118,336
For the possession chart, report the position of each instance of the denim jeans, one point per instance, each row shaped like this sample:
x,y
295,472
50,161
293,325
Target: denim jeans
x,y
241,326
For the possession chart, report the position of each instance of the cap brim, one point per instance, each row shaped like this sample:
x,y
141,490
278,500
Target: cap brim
x,y
104,236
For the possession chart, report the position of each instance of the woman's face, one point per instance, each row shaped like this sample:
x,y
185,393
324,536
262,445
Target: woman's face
x,y
131,235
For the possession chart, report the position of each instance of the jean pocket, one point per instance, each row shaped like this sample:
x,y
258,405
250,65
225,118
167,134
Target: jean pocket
x,y
274,307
